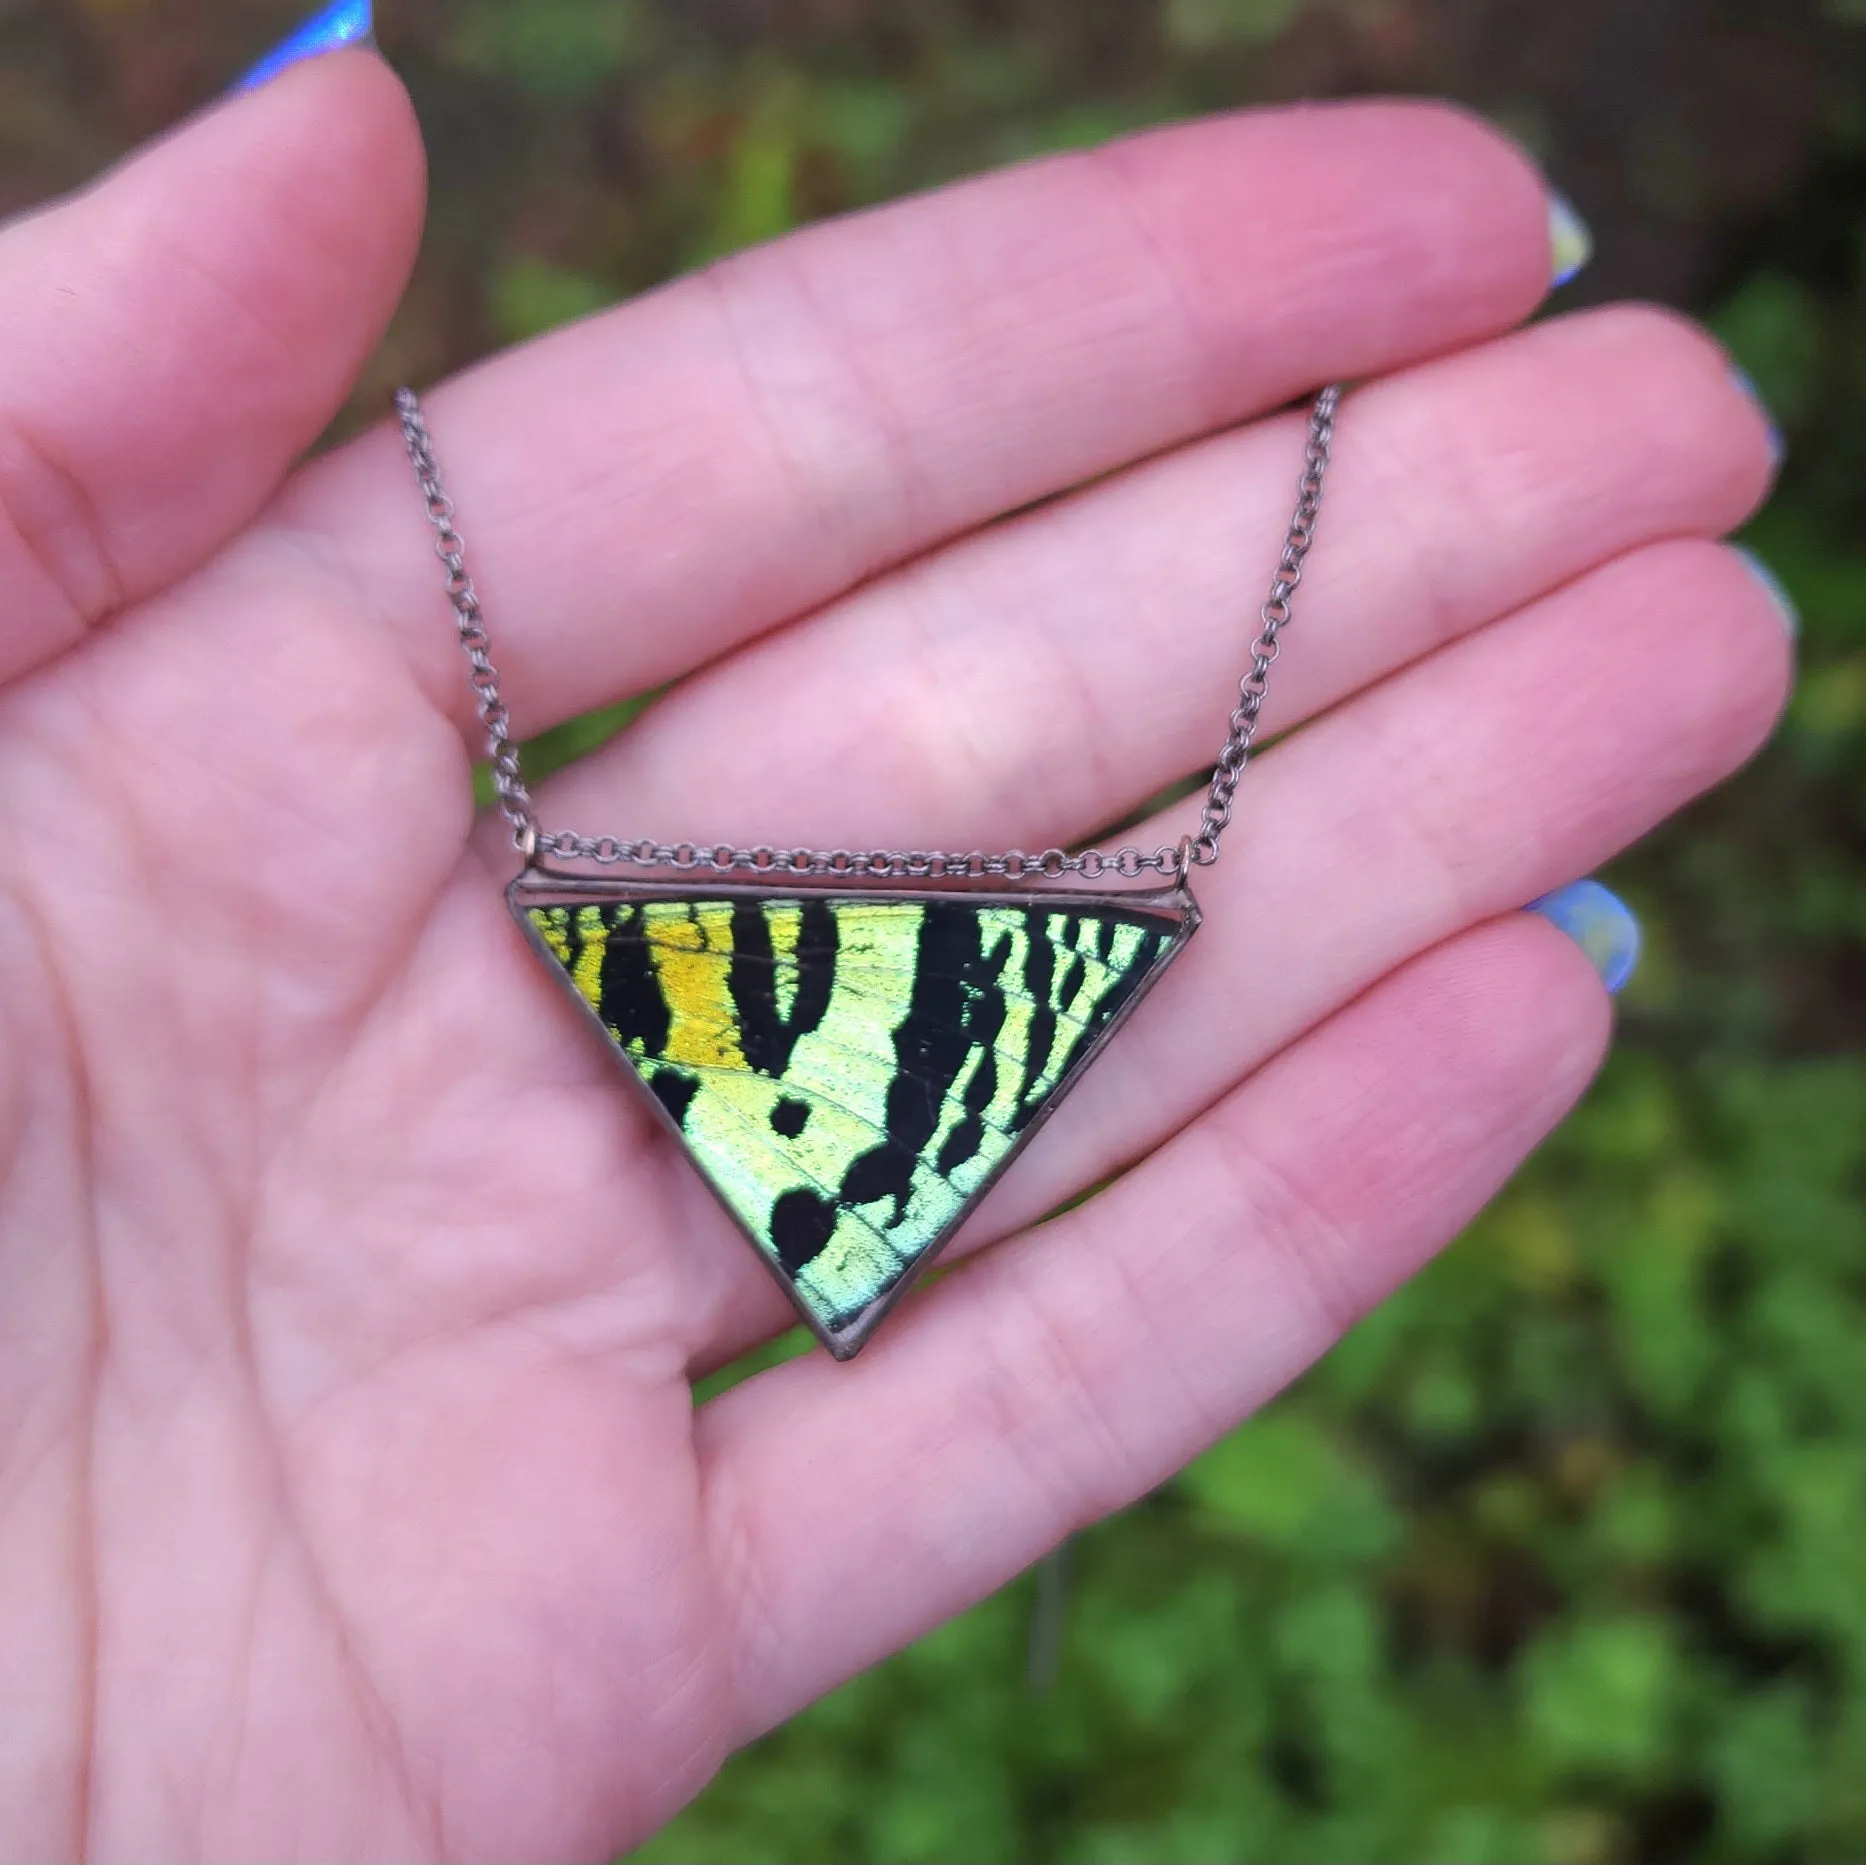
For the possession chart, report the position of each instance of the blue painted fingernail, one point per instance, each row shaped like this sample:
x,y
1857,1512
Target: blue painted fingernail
x,y
350,22
1745,385
1571,245
1773,589
1601,924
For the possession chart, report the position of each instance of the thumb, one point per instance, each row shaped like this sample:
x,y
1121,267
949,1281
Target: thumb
x,y
175,336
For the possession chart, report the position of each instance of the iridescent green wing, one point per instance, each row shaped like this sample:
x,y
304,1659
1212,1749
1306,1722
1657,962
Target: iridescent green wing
x,y
850,1074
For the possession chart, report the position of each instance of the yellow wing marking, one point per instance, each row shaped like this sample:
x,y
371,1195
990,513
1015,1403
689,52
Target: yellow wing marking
x,y
553,924
692,951
587,973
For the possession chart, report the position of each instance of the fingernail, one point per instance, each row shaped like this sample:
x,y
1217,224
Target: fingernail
x,y
1571,246
1745,385
1601,924
1774,590
349,22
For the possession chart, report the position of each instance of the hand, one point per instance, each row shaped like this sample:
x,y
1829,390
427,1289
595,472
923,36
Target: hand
x,y
352,1501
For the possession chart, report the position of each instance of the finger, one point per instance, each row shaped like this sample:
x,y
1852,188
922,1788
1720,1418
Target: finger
x,y
1461,788
178,334
648,489
1048,676
852,1508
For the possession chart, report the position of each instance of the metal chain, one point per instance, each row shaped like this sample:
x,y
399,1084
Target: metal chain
x,y
1130,863
1275,616
508,776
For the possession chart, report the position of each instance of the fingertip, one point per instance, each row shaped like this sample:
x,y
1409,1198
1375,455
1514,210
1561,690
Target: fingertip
x,y
330,29
1419,206
318,183
1550,243
1772,586
1604,927
333,153
1505,1008
1558,985
182,331
1478,210
1571,241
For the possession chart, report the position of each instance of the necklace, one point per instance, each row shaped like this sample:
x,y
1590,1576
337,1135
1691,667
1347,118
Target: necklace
x,y
849,1065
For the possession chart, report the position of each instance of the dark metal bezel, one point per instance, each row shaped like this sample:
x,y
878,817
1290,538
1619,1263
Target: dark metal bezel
x,y
543,886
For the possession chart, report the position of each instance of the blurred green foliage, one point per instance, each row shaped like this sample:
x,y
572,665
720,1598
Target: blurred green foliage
x,y
1562,1556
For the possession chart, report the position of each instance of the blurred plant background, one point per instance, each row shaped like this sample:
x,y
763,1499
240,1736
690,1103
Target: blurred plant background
x,y
1563,1556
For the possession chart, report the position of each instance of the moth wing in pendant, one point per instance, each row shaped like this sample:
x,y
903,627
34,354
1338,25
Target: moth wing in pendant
x,y
851,1072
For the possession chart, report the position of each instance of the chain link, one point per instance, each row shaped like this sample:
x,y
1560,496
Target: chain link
x,y
1130,863
508,776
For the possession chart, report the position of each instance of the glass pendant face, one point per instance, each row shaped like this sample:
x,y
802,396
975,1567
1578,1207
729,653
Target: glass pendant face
x,y
850,1072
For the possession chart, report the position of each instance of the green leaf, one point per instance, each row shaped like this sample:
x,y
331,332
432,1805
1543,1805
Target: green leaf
x,y
561,50
1773,328
1765,1768
759,200
1284,1483
1602,1696
531,296
1203,25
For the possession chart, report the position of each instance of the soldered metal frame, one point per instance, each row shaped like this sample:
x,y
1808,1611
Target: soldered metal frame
x,y
540,885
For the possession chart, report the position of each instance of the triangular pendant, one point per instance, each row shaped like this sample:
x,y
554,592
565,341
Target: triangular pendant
x,y
850,1072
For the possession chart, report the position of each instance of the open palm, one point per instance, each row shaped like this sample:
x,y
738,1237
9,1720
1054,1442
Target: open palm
x,y
353,1502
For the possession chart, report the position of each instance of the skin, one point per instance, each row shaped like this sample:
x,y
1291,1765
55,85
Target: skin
x,y
352,1499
